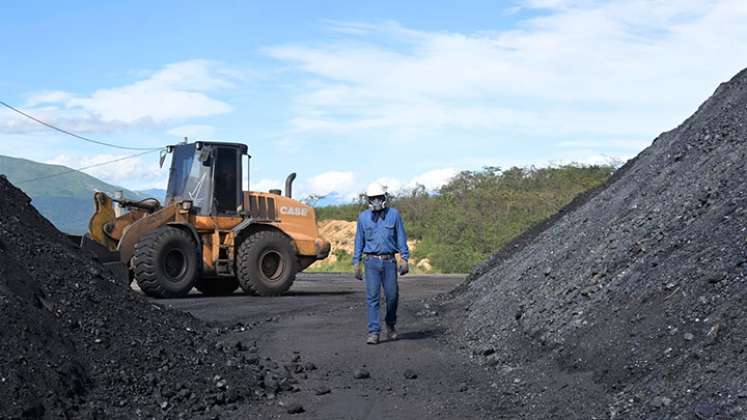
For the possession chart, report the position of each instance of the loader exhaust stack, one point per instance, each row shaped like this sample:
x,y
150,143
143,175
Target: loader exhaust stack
x,y
289,184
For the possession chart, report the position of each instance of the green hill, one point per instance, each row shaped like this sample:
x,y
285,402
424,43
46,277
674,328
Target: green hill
x,y
66,200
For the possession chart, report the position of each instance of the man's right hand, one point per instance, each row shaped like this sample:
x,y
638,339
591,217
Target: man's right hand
x,y
358,271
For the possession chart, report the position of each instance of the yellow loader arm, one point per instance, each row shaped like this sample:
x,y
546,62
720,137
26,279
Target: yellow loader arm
x,y
103,215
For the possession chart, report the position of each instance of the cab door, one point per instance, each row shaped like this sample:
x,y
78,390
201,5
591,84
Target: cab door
x,y
227,176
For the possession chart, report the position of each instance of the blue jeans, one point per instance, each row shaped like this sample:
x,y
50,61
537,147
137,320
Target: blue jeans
x,y
381,273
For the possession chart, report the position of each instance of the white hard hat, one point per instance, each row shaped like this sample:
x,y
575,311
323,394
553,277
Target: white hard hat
x,y
375,189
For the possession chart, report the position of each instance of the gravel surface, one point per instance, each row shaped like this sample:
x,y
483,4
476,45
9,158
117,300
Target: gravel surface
x,y
324,319
631,303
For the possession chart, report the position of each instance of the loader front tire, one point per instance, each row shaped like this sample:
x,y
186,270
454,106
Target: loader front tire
x,y
266,264
165,263
221,286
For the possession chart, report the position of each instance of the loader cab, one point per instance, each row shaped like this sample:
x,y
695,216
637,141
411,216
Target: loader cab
x,y
209,174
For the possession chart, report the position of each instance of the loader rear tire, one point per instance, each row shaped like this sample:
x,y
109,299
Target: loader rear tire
x,y
165,263
266,264
221,286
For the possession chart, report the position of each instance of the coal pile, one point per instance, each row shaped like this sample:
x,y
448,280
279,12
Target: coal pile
x,y
631,303
76,344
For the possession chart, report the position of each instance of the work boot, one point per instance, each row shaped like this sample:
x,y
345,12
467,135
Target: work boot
x,y
391,332
373,338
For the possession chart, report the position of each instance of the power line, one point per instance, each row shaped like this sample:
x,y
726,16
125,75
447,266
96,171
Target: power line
x,y
78,136
85,167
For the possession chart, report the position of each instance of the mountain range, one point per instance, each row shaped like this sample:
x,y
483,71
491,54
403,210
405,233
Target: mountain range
x,y
63,195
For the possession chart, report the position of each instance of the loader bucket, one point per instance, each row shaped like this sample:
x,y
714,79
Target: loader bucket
x,y
108,259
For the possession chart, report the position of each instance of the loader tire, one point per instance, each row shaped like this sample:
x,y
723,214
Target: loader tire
x,y
266,264
165,263
221,286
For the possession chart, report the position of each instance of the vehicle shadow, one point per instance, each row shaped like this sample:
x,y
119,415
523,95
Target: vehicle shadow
x,y
241,294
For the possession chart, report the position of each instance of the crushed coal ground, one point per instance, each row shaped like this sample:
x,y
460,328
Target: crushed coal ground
x,y
76,344
631,302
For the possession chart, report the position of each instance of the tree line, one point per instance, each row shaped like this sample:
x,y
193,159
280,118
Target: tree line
x,y
478,212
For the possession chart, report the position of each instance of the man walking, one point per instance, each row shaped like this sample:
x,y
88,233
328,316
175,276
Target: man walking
x,y
379,235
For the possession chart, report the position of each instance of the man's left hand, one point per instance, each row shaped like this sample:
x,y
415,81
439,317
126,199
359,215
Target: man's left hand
x,y
404,268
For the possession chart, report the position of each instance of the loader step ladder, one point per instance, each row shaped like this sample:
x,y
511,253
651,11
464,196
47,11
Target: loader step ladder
x,y
223,264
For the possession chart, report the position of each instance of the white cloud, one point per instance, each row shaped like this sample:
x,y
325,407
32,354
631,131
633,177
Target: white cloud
x,y
340,182
587,157
431,180
434,179
626,144
594,68
176,92
603,160
136,173
47,97
347,186
390,184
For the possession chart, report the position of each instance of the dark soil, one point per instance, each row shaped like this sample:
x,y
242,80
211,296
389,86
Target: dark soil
x,y
75,344
631,303
320,330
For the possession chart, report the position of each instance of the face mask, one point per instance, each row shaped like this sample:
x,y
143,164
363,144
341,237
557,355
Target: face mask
x,y
376,204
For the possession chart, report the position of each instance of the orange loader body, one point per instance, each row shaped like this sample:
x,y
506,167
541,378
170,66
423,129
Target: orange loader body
x,y
258,244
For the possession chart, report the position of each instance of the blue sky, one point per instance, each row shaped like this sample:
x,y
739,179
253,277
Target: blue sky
x,y
347,93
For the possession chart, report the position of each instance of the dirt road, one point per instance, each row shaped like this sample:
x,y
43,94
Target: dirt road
x,y
323,319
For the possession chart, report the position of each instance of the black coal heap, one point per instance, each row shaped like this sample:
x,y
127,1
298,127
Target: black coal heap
x,y
76,344
631,303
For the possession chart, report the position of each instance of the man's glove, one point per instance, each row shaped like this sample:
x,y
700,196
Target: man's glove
x,y
358,271
403,268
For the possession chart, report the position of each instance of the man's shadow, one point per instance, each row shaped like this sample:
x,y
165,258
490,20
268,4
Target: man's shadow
x,y
417,335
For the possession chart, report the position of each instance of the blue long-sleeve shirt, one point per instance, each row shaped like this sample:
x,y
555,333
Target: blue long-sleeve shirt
x,y
386,235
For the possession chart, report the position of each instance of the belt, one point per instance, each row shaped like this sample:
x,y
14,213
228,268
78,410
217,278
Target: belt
x,y
381,256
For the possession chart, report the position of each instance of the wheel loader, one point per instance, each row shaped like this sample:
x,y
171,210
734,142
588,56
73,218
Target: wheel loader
x,y
208,233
